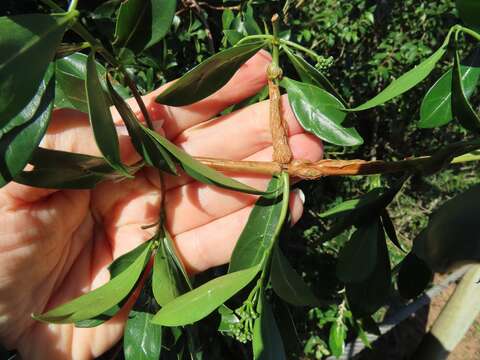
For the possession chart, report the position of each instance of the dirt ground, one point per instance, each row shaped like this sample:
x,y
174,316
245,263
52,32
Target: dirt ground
x,y
401,342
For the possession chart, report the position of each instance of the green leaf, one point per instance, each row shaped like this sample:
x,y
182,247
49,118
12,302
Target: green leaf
x,y
414,276
202,301
101,118
267,342
101,299
436,109
407,80
126,260
24,132
351,205
63,170
451,237
310,75
142,339
368,296
228,318
24,57
143,23
320,113
461,107
468,11
209,76
389,228
288,284
358,258
336,338
167,282
201,172
152,154
99,319
258,235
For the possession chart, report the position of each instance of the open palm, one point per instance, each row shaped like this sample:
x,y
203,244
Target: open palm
x,y
56,245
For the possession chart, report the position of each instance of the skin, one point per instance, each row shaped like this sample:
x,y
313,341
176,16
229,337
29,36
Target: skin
x,y
56,245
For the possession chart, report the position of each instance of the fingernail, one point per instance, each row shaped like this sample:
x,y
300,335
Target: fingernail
x,y
301,195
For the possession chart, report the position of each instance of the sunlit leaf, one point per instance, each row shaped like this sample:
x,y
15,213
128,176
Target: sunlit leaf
x,y
336,338
209,76
202,301
101,299
320,113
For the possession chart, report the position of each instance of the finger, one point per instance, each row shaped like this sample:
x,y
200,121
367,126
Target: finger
x,y
249,80
212,244
246,131
204,203
69,130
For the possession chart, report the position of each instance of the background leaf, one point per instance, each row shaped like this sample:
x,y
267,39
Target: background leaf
x,y
320,113
142,339
24,57
469,10
414,276
143,23
209,76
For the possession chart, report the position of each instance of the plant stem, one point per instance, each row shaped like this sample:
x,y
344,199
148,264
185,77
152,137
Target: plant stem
x,y
309,52
470,32
278,127
254,37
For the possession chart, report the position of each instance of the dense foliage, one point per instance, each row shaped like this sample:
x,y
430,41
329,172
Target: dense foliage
x,y
362,46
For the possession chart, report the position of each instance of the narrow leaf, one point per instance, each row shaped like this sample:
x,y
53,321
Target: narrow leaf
x,y
199,171
24,132
336,339
461,107
389,228
209,76
101,299
24,57
288,284
320,113
358,257
202,301
267,342
142,339
258,235
126,260
101,118
407,80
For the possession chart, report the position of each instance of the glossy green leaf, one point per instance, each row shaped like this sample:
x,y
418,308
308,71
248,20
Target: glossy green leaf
x,y
142,339
267,342
167,282
258,235
354,204
101,118
407,80
336,339
152,154
209,76
320,113
24,57
451,237
126,260
63,170
99,319
288,284
310,75
101,299
358,258
469,11
24,132
143,23
414,276
461,107
366,297
202,301
436,109
201,172
389,228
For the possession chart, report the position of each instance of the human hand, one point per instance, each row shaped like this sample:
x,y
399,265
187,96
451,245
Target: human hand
x,y
56,245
